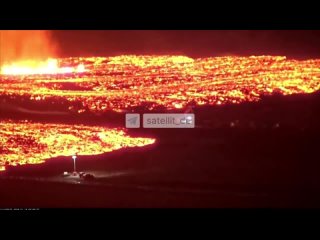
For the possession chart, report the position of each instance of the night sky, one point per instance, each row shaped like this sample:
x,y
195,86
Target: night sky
x,y
193,43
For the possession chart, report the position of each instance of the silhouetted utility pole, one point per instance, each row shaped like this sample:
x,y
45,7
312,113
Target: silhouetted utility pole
x,y
74,157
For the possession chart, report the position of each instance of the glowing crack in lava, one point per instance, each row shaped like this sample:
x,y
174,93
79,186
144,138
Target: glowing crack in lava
x,y
31,143
50,66
164,82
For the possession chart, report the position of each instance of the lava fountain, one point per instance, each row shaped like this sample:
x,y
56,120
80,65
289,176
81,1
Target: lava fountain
x,y
30,52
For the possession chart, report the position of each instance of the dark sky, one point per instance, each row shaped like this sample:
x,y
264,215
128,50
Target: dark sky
x,y
194,43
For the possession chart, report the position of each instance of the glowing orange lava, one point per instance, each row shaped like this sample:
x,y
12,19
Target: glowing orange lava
x,y
171,82
32,143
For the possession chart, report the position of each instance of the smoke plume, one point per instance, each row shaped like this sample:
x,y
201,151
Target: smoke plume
x,y
22,45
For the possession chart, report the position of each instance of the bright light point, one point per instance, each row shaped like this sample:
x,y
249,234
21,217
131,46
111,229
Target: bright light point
x,y
81,68
178,105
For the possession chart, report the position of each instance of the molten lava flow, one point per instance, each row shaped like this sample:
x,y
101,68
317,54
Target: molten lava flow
x,y
32,143
124,83
162,82
50,66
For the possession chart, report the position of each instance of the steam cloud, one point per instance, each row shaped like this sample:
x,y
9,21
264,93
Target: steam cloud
x,y
21,45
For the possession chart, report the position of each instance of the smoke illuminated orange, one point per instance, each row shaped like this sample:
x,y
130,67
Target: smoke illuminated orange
x,y
25,45
32,143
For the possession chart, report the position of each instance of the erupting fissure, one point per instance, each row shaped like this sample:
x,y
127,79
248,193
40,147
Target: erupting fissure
x,y
51,66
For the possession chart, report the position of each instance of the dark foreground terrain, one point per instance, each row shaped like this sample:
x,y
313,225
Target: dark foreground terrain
x,y
251,155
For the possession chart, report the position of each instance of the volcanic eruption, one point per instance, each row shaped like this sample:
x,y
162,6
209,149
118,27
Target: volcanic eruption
x,y
85,85
30,52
